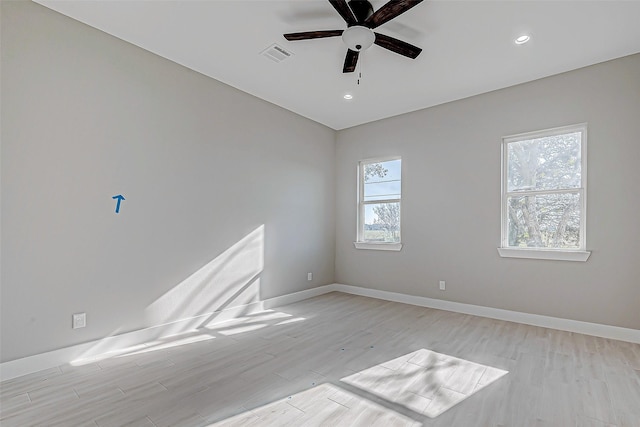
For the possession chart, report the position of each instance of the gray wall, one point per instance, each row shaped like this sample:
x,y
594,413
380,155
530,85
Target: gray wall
x,y
216,182
451,199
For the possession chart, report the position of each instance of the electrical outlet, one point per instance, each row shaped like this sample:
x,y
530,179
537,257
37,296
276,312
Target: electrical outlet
x,y
79,320
442,285
309,276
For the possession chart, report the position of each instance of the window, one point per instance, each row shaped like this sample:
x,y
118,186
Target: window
x,y
379,194
544,194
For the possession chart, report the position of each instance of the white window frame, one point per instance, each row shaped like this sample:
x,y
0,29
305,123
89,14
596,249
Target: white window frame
x,y
360,243
578,254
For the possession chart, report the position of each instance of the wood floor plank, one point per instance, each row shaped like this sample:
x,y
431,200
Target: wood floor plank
x,y
15,403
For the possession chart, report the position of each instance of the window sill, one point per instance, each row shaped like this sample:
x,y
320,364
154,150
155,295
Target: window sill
x,y
378,246
547,254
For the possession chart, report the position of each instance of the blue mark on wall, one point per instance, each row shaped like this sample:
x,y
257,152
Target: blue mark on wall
x,y
120,198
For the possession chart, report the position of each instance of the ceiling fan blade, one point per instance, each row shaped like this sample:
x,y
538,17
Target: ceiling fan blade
x,y
397,46
345,11
350,61
312,35
389,11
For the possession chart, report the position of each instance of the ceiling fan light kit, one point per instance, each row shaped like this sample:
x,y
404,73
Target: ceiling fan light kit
x,y
359,35
358,38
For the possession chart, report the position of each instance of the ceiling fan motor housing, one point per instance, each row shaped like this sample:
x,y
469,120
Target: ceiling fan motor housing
x,y
361,9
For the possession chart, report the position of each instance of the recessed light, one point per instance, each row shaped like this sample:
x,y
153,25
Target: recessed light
x,y
522,39
348,96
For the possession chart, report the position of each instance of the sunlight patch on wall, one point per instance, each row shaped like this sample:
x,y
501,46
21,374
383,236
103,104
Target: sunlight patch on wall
x,y
424,381
231,279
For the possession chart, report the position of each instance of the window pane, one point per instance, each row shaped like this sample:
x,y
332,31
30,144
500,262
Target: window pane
x,y
551,162
544,221
382,222
382,180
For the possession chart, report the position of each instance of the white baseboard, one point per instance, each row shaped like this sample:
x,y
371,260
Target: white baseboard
x,y
298,296
111,345
595,329
116,344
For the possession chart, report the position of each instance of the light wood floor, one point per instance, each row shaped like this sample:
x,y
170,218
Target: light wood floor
x,y
343,360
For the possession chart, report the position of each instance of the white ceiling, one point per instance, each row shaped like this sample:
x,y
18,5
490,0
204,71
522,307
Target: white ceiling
x,y
468,47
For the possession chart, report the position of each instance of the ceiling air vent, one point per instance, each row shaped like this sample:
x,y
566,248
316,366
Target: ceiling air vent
x,y
276,53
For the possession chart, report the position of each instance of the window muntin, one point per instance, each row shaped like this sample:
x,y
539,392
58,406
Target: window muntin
x,y
544,183
380,191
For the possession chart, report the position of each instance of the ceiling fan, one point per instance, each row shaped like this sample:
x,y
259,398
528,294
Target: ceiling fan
x,y
359,35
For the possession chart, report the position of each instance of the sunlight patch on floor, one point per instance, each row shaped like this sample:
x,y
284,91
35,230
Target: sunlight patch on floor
x,y
424,381
294,320
161,345
252,322
108,355
240,325
265,316
242,329
325,404
147,347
